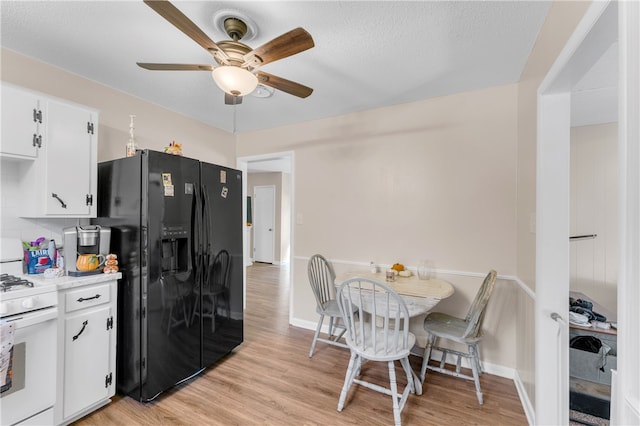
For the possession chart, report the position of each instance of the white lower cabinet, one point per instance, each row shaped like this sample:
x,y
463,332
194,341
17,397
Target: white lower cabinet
x,y
86,349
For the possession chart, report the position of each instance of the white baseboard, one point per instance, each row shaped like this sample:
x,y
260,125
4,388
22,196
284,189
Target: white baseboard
x,y
528,408
274,263
494,369
296,322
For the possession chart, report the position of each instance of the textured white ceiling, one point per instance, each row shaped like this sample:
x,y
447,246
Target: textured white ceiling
x,y
368,54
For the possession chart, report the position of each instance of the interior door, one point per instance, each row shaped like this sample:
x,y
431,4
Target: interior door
x,y
264,223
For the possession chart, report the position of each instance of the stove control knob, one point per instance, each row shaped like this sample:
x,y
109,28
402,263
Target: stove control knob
x,y
27,303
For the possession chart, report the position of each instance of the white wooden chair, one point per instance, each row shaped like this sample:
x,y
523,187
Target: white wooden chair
x,y
322,280
467,331
377,330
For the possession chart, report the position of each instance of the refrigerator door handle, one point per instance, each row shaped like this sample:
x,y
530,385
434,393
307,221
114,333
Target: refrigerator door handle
x,y
145,246
195,225
207,221
196,244
204,234
208,254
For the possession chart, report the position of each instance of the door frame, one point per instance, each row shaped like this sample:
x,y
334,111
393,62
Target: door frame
x,y
242,163
583,48
274,224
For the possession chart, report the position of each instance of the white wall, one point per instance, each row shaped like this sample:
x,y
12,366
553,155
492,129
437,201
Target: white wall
x,y
433,179
559,24
594,210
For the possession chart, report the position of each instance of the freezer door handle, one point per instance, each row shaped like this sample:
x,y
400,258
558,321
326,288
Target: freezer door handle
x,y
145,241
206,214
196,235
143,282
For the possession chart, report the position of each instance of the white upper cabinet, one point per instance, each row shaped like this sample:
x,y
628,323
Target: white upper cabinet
x,y
71,151
22,125
59,178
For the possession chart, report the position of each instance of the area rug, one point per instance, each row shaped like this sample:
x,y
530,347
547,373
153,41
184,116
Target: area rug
x,y
576,418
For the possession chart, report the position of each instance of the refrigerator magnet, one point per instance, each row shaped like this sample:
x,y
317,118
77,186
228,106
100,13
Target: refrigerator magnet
x,y
224,192
166,179
223,176
169,191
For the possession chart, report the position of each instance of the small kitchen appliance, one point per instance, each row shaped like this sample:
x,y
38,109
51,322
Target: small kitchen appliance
x,y
87,239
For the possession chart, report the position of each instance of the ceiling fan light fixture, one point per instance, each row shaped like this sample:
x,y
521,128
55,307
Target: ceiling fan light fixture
x,y
234,80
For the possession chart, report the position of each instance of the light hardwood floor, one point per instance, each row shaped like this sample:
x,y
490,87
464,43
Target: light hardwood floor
x,y
270,380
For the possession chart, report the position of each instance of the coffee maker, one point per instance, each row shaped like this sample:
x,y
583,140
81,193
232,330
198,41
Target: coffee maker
x,y
87,239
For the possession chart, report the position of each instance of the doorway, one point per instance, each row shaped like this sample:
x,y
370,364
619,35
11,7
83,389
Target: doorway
x,y
594,35
283,163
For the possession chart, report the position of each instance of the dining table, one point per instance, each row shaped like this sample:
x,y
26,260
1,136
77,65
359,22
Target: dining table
x,y
420,296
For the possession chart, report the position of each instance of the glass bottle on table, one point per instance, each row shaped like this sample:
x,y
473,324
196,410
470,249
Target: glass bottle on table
x,y
424,269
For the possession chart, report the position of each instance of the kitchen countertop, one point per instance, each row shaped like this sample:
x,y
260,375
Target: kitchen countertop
x,y
67,282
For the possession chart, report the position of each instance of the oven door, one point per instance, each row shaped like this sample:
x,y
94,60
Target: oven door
x,y
32,390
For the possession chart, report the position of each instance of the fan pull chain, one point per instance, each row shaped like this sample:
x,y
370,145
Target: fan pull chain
x,y
235,108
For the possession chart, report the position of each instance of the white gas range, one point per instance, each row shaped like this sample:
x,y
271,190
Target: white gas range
x,y
28,323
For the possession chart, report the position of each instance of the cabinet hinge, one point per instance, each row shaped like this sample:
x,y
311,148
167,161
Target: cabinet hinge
x,y
89,199
108,379
89,127
109,323
37,116
37,140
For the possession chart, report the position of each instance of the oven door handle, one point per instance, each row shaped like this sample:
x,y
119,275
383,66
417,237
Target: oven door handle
x,y
32,318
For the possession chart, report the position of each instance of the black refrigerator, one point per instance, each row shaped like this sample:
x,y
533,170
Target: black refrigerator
x,y
171,219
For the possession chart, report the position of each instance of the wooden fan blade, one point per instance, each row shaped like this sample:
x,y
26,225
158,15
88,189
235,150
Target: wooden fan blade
x,y
175,67
295,41
290,87
172,14
232,100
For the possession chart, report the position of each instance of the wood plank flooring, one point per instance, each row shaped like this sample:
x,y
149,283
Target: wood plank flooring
x,y
270,380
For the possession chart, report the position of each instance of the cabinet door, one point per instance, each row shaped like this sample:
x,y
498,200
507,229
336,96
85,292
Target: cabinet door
x,y
19,123
86,359
70,148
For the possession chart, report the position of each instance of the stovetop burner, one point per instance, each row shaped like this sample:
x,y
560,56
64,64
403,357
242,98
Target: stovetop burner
x,y
9,282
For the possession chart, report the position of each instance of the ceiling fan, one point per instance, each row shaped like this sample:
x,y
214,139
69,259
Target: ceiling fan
x,y
236,71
